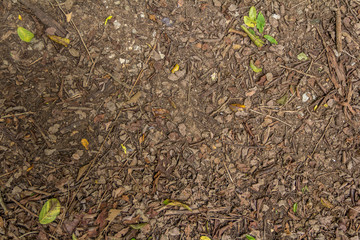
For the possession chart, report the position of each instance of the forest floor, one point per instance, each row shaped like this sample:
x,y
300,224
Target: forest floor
x,y
154,125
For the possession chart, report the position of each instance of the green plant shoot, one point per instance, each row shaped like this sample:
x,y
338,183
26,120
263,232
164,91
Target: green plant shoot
x,y
257,41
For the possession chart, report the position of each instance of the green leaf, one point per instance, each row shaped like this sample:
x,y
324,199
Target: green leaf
x,y
253,32
138,226
295,207
271,39
258,42
49,211
252,13
24,34
260,22
254,68
250,237
282,100
73,236
249,22
302,56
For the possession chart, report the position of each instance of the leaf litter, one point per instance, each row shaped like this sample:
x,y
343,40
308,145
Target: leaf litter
x,y
213,135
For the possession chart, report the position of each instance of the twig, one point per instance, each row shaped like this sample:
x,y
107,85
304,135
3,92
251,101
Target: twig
x,y
21,206
338,29
231,30
275,118
322,136
78,32
142,69
3,205
90,167
293,69
16,115
219,108
41,132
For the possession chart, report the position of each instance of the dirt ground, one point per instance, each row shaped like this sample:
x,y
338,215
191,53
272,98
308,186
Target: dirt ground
x,y
239,154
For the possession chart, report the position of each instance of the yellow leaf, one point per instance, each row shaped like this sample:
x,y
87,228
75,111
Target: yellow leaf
x,y
124,148
175,68
249,22
60,40
20,18
236,107
316,106
85,143
106,20
49,211
176,203
68,17
205,238
325,105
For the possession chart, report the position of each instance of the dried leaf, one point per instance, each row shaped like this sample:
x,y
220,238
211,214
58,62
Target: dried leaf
x,y
85,143
60,40
176,203
353,212
113,213
49,211
82,170
236,107
68,17
160,112
266,135
135,98
152,17
326,203
282,100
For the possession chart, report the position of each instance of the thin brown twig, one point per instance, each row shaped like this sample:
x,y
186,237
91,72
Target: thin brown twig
x,y
275,118
293,69
3,205
338,28
322,136
78,32
21,206
16,115
142,69
91,166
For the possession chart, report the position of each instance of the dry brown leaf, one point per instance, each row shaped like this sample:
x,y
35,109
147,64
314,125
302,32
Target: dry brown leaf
x,y
113,213
152,17
135,98
266,135
82,170
68,17
353,212
326,203
180,3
